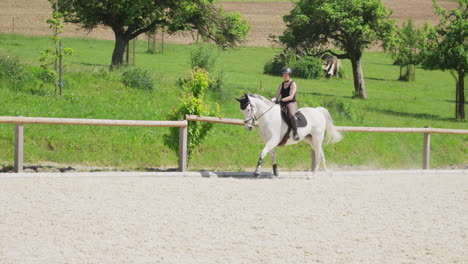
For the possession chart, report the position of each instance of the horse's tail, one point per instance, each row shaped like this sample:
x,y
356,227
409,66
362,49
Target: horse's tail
x,y
333,134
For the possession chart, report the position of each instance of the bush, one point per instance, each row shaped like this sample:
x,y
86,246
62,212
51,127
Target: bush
x,y
102,73
203,56
191,103
138,78
307,67
344,109
12,72
216,84
46,75
280,61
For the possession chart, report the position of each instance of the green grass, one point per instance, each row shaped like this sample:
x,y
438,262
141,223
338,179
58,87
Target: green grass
x,y
90,94
255,1
296,0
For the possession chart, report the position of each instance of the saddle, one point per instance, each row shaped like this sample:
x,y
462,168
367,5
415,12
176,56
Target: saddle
x,y
301,122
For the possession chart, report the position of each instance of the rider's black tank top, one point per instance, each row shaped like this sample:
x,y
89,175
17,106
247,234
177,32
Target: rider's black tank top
x,y
285,93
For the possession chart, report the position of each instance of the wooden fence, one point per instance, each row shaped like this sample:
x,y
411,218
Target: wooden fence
x,y
21,121
427,131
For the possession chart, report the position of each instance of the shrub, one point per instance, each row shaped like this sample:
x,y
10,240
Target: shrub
x,y
216,84
197,83
47,75
307,67
344,109
191,103
203,56
138,78
102,73
280,61
12,72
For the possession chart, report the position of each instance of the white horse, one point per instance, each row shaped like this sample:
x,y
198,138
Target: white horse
x,y
272,128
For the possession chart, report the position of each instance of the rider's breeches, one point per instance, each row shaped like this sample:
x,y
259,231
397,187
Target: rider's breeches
x,y
292,109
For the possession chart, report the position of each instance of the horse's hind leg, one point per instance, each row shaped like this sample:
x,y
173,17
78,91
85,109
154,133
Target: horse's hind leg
x,y
320,156
273,161
317,152
323,160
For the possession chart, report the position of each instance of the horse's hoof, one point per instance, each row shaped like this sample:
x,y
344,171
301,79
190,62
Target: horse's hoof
x,y
257,174
275,170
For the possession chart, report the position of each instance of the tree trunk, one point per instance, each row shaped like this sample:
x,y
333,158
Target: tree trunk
x,y
411,73
460,99
119,49
359,85
407,73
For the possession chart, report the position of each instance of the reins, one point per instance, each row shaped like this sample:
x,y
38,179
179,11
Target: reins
x,y
265,112
256,119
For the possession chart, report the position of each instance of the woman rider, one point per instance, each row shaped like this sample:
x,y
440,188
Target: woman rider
x,y
287,90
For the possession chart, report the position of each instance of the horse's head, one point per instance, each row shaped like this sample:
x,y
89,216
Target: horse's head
x,y
248,110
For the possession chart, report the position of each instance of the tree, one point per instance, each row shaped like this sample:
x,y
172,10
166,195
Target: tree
x,y
130,18
446,46
192,103
405,50
51,59
315,26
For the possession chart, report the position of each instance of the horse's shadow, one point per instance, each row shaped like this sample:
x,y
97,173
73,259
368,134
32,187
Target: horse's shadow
x,y
237,175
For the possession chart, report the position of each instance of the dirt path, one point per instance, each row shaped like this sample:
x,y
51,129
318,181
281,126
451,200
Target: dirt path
x,y
418,219
28,16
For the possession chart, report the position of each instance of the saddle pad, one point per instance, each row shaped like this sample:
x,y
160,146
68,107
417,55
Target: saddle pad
x,y
301,120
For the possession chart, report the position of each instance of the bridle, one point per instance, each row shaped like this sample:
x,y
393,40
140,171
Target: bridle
x,y
252,117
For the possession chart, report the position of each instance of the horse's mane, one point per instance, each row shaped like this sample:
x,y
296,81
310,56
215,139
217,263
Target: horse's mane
x,y
266,101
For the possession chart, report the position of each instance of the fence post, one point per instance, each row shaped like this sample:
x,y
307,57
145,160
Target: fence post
x,y
183,148
19,147
426,150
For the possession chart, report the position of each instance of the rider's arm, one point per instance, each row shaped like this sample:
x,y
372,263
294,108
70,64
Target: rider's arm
x,y
277,94
292,93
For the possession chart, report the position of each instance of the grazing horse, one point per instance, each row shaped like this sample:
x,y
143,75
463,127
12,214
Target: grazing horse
x,y
331,65
272,128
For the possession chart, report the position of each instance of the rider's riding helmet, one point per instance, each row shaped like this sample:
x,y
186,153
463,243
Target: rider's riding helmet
x,y
287,70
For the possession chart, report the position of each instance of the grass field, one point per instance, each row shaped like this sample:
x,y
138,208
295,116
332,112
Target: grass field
x,y
91,92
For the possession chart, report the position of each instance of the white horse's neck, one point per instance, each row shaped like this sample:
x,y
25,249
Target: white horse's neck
x,y
262,109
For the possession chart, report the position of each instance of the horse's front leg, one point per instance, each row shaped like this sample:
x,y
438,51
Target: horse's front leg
x,y
273,161
268,147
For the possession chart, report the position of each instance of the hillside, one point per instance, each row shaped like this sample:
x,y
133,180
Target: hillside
x,y
28,17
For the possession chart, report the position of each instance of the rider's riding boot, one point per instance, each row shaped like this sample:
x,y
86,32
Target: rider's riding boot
x,y
294,128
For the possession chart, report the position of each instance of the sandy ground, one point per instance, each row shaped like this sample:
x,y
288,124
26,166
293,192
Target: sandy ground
x,y
28,17
396,218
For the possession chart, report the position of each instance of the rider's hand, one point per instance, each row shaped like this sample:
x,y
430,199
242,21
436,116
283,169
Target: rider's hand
x,y
273,99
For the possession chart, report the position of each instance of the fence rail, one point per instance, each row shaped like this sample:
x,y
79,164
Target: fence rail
x,y
21,121
90,122
427,131
183,125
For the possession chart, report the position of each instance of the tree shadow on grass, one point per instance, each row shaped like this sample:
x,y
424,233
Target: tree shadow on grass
x,y
453,102
412,115
326,95
381,79
93,64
